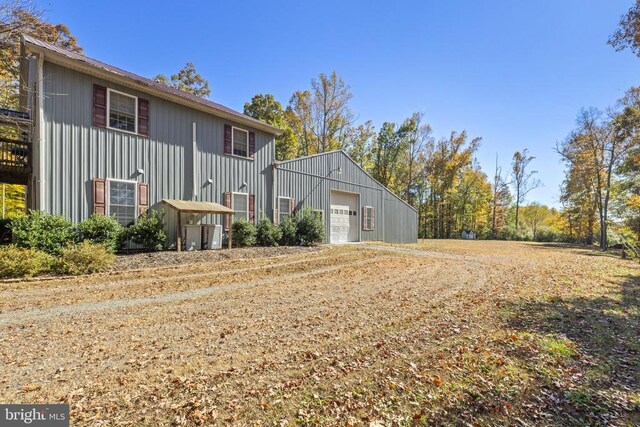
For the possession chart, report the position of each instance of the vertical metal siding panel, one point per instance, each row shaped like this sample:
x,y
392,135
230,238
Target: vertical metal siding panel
x,y
77,151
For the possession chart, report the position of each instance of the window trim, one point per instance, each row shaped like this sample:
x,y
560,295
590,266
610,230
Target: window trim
x,y
109,90
108,195
290,213
365,226
233,128
233,193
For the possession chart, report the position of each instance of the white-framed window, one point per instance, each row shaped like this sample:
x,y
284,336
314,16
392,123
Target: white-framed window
x,y
369,218
284,208
239,142
122,200
123,111
240,204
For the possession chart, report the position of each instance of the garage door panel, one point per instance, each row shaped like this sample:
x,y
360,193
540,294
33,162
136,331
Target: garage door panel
x,y
343,221
339,224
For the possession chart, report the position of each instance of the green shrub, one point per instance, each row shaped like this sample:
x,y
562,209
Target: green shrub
x,y
23,262
288,231
38,230
243,233
148,231
84,258
310,227
267,234
101,229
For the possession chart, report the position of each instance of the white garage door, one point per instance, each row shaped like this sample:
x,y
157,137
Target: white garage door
x,y
339,224
343,224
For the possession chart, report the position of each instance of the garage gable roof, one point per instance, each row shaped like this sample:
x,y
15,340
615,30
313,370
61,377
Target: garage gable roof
x,y
97,68
343,153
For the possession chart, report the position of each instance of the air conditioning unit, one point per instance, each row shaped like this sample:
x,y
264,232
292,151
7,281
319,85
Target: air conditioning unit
x,y
193,237
212,236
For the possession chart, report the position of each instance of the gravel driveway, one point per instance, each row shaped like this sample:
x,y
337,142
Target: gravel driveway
x,y
437,333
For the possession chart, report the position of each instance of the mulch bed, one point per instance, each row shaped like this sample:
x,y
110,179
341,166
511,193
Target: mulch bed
x,y
135,261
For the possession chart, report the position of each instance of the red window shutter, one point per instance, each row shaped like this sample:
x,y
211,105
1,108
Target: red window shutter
x,y
99,106
143,117
227,203
364,218
252,208
143,197
373,218
227,139
293,205
99,195
252,144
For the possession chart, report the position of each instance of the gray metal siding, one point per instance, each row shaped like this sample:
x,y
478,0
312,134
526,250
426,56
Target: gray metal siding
x,y
311,179
77,152
400,223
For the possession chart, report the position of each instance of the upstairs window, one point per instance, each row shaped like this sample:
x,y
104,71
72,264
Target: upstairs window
x,y
123,111
122,201
240,142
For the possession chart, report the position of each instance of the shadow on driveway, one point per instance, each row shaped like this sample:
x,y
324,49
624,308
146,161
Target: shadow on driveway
x,y
599,384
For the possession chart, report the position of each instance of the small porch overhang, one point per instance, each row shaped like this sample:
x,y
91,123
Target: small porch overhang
x,y
189,206
195,207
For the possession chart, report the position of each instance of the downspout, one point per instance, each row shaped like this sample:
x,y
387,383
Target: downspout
x,y
274,186
194,160
382,223
40,198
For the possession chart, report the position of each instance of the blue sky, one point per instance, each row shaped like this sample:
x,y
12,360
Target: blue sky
x,y
513,72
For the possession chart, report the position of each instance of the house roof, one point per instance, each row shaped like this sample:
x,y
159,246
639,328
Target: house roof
x,y
198,207
91,66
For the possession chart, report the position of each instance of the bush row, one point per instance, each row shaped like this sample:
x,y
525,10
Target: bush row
x,y
81,258
53,233
303,228
50,244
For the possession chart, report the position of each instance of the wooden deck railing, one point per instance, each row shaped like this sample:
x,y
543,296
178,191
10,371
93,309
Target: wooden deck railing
x,y
15,156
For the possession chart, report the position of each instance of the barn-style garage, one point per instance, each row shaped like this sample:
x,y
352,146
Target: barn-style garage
x,y
354,206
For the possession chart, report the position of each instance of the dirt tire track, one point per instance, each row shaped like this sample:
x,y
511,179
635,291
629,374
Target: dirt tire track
x,y
17,317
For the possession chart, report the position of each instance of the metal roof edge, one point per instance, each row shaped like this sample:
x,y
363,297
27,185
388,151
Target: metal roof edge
x,y
355,163
87,65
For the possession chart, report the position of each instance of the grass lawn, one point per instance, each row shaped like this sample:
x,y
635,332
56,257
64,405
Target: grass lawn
x,y
442,332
